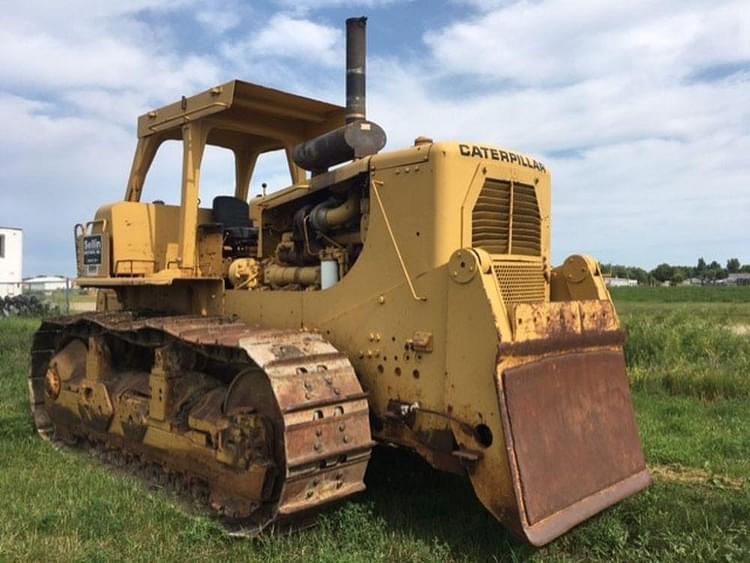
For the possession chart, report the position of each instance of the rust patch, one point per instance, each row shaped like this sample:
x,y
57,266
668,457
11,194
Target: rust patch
x,y
572,429
562,342
52,383
541,328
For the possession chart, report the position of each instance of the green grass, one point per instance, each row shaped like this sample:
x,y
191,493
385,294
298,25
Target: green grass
x,y
688,352
692,341
60,506
718,313
682,294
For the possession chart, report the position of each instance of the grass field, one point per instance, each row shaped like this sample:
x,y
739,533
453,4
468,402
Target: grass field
x,y
690,366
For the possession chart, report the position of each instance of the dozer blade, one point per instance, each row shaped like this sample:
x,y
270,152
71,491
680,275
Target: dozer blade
x,y
571,439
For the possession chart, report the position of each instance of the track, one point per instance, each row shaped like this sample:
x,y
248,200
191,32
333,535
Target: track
x,y
267,427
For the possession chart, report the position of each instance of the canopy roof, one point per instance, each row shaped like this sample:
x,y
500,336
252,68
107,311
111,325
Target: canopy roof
x,y
245,117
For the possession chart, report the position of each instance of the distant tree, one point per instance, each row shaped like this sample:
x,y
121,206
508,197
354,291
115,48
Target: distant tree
x,y
628,272
639,274
676,274
715,271
680,274
663,272
701,268
617,271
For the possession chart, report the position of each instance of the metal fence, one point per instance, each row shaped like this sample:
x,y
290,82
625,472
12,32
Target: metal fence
x,y
19,299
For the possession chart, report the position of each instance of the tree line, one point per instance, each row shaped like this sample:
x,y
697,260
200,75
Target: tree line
x,y
703,271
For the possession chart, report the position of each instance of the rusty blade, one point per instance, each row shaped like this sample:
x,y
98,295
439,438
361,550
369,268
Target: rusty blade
x,y
574,441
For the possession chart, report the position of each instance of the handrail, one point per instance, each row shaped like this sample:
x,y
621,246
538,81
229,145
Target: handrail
x,y
78,232
94,222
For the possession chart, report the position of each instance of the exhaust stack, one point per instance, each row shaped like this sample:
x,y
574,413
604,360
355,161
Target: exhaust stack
x,y
359,137
356,76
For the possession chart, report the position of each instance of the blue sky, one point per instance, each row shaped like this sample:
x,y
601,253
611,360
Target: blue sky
x,y
640,109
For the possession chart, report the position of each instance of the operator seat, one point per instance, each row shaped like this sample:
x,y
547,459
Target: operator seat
x,y
234,216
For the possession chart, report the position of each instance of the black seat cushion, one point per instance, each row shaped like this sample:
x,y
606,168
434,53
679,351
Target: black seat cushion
x,y
231,212
242,233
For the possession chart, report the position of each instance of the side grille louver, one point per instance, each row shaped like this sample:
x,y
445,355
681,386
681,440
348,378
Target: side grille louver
x,y
527,223
491,218
507,221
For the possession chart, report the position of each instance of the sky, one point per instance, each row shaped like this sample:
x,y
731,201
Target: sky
x,y
640,109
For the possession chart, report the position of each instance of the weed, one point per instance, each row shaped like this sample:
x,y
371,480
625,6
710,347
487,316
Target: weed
x,y
685,354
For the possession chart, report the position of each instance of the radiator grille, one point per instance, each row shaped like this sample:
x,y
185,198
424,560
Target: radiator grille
x,y
498,229
490,220
520,282
527,223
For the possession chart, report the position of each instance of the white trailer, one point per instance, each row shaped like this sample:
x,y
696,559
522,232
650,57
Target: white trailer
x,y
11,261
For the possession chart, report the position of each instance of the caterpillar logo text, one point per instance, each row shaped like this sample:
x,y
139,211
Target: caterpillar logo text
x,y
498,154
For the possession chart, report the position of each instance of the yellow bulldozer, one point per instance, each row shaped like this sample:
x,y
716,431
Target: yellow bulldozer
x,y
256,350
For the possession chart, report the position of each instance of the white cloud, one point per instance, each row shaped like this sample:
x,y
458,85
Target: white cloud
x,y
558,42
72,13
652,200
304,6
217,21
220,16
102,58
287,37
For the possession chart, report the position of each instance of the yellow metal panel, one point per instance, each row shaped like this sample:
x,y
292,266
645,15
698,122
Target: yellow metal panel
x,y
211,101
194,142
143,236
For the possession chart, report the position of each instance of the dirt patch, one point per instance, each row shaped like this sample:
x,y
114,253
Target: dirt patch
x,y
741,329
690,476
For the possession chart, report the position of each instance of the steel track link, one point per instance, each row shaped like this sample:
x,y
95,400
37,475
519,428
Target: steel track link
x,y
322,438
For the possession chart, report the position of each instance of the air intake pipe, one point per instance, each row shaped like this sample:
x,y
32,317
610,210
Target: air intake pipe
x,y
359,137
332,213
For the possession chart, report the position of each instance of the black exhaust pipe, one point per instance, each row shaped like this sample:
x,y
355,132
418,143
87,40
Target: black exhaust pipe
x,y
359,137
356,77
